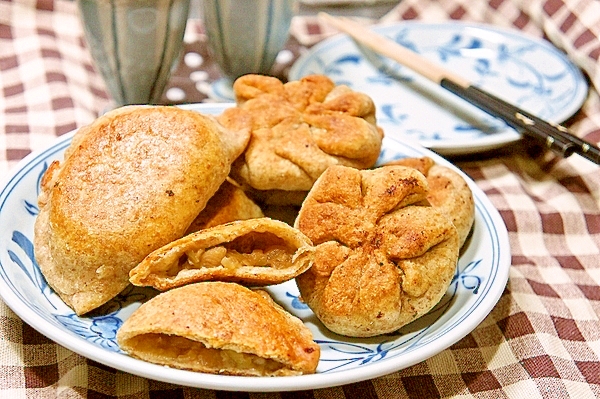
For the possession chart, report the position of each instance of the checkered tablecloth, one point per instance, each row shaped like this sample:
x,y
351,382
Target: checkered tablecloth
x,y
542,340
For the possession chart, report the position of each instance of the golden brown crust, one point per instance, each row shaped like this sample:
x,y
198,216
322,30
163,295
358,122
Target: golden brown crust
x,y
451,194
258,251
448,192
228,204
221,328
299,129
422,164
383,257
131,181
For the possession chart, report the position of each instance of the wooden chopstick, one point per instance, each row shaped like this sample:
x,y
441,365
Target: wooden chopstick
x,y
553,136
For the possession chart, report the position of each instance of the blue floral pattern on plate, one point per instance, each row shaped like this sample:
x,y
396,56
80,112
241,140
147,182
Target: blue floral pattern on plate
x,y
526,71
480,278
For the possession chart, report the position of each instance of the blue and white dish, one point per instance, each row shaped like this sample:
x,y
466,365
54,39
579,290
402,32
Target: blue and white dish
x,y
480,279
525,71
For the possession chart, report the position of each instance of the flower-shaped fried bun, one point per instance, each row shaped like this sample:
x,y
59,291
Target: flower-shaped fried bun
x,y
298,130
259,251
384,256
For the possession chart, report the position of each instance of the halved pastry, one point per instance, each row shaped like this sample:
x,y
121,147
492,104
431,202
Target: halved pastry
x,y
258,251
448,192
383,255
220,328
130,182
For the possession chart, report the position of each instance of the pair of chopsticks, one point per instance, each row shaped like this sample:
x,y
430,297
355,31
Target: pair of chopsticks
x,y
553,136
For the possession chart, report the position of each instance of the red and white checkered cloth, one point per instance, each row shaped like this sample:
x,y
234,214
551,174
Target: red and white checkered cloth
x,y
48,85
542,340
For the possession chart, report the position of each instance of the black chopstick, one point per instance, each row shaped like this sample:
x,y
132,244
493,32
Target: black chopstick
x,y
552,136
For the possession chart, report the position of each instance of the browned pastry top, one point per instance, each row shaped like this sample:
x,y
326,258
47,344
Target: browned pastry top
x,y
229,203
299,129
384,256
131,181
448,191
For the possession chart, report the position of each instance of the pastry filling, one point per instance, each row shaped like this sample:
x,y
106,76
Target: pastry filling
x,y
254,250
180,352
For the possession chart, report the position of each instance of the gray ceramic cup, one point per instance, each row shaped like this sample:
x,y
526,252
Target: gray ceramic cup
x,y
135,44
245,36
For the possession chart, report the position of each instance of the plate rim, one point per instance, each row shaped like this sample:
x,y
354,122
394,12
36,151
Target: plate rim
x,y
144,369
508,135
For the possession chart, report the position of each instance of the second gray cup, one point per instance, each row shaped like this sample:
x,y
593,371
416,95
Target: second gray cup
x,y
245,36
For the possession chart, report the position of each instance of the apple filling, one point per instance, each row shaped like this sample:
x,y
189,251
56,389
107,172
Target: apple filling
x,y
180,352
253,250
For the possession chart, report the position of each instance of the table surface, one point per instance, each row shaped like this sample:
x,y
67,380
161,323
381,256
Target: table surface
x,y
542,339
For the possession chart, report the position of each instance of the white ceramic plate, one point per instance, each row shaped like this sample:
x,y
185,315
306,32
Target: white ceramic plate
x,y
480,278
525,71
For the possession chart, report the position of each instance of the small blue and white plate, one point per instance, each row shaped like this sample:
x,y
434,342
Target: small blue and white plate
x,y
525,71
480,279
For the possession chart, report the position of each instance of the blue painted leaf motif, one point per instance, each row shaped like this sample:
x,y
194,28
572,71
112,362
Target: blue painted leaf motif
x,y
357,353
26,245
15,258
350,58
487,126
475,43
335,68
343,82
483,67
448,50
387,73
529,79
472,265
557,76
98,330
465,128
454,41
502,53
425,136
73,323
31,208
33,273
382,78
387,110
389,114
101,330
296,302
454,47
106,327
470,281
401,39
